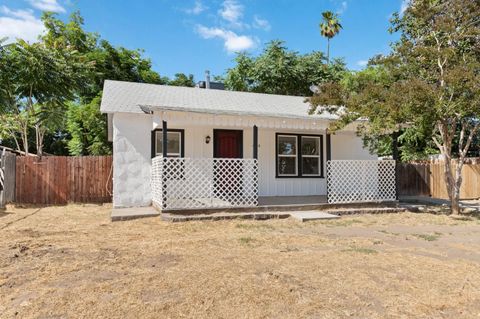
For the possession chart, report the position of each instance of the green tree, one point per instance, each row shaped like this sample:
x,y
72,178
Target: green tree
x,y
329,28
182,80
429,80
280,71
36,83
87,127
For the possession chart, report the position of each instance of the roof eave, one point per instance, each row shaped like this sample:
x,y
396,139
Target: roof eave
x,y
144,107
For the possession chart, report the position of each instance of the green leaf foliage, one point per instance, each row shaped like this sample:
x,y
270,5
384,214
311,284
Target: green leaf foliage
x,y
88,129
280,71
427,87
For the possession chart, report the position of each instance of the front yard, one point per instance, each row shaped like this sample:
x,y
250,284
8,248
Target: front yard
x,y
66,262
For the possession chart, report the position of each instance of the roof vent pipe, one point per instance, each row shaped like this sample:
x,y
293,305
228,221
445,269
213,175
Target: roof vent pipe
x,y
207,79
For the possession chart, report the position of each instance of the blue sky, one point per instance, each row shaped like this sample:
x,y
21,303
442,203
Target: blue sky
x,y
191,36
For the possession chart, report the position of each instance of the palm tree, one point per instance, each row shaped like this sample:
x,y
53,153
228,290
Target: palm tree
x,y
329,28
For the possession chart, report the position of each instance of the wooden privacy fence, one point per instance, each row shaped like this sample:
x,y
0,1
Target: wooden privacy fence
x,y
427,179
62,179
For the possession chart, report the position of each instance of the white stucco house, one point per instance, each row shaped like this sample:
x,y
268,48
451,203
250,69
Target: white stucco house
x,y
224,148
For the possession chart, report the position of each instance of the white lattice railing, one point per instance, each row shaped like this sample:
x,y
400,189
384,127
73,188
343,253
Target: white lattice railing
x,y
351,181
186,183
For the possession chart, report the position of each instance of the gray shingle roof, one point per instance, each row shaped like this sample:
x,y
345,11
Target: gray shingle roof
x,y
129,97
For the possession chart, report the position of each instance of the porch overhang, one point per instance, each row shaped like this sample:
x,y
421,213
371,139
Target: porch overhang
x,y
229,119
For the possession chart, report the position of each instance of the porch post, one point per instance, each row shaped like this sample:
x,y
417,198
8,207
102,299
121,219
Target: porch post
x,y
255,142
164,168
164,138
328,146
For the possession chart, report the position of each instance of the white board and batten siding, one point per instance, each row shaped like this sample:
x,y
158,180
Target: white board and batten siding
x,y
132,153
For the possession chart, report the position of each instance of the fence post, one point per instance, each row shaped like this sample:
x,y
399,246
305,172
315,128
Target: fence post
x,y
3,198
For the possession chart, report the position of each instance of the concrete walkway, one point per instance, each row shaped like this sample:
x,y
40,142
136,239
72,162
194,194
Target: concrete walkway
x,y
312,215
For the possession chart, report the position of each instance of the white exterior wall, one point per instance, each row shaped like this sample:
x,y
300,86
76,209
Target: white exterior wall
x,y
132,156
131,159
348,146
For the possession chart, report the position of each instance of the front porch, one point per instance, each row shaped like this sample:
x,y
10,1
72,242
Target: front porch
x,y
230,184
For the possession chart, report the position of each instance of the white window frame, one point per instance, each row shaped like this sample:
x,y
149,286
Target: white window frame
x,y
284,155
159,135
319,156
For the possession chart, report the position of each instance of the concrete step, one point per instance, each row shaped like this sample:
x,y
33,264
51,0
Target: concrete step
x,y
302,215
366,210
312,215
281,208
223,216
299,215
129,213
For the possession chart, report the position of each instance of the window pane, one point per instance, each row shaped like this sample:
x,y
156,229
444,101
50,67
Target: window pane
x,y
310,145
287,145
287,165
173,139
310,166
159,142
173,142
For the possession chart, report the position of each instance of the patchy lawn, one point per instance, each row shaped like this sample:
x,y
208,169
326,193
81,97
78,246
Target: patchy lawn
x,y
72,261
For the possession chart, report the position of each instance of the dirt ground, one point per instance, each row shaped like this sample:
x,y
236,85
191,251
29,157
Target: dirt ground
x,y
72,262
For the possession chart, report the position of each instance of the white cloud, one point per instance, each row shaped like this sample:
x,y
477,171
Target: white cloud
x,y
231,11
197,8
232,41
362,63
343,7
404,6
260,23
19,24
47,5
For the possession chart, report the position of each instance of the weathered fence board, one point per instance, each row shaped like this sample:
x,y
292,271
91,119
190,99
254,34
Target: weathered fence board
x,y
427,179
413,179
61,179
7,178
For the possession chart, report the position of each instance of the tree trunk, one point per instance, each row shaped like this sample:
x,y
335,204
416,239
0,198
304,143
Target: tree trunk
x,y
395,153
25,140
456,188
328,50
39,140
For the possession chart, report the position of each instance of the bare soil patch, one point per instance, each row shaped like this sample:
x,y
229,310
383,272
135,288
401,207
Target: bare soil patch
x,y
72,262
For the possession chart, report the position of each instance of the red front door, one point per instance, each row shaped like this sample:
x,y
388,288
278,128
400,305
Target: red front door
x,y
227,144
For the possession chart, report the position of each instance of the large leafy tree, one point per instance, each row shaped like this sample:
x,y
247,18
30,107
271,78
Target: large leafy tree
x,y
280,71
66,68
329,28
431,79
36,82
86,126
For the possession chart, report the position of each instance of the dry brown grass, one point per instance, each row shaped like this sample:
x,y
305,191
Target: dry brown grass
x,y
71,261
